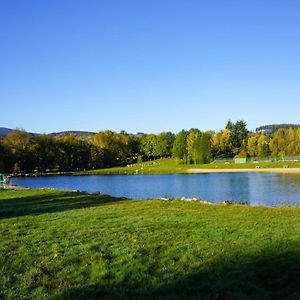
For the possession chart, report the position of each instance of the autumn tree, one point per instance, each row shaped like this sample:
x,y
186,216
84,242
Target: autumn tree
x,y
252,145
193,145
278,144
263,149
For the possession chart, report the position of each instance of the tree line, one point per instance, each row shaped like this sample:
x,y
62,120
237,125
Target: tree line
x,y
271,129
21,152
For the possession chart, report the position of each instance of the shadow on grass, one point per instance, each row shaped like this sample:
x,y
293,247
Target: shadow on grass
x,y
52,202
272,275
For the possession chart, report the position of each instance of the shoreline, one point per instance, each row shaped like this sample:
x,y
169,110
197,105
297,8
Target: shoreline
x,y
225,201
187,171
256,170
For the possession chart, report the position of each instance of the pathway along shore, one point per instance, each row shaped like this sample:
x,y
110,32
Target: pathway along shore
x,y
256,170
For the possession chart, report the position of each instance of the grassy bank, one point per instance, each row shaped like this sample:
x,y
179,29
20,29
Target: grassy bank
x,y
63,245
171,166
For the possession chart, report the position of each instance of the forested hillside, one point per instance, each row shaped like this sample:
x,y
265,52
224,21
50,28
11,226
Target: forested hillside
x,y
271,129
4,131
24,152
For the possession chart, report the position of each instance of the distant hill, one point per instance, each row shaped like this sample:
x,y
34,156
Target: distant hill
x,y
274,127
4,131
74,132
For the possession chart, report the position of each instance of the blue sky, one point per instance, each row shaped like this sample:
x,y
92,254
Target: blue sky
x,y
148,66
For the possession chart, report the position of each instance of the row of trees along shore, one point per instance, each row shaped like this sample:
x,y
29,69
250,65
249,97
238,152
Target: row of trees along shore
x,y
21,152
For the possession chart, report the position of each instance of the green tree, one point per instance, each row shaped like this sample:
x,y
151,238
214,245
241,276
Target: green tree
x,y
106,140
46,153
164,144
6,158
126,149
23,148
204,148
230,126
193,144
148,146
180,146
238,137
74,154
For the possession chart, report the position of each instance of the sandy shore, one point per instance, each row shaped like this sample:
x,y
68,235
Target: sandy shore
x,y
258,170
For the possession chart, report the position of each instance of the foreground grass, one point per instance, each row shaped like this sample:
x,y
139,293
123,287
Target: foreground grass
x,y
62,245
171,166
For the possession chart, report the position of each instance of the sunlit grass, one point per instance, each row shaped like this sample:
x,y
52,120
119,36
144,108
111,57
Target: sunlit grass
x,y
59,245
170,165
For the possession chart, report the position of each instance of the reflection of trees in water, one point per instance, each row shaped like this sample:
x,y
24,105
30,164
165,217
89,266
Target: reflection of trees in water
x,y
240,187
288,186
228,186
288,178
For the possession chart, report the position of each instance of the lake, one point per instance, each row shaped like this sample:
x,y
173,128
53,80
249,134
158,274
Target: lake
x,y
266,189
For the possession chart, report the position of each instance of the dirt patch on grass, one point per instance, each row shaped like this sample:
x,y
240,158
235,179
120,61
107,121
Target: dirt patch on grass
x,y
254,170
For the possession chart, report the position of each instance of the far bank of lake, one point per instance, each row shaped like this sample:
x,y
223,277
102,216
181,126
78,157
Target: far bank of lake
x,y
247,170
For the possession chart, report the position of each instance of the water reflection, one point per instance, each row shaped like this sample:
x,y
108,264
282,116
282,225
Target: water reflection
x,y
255,188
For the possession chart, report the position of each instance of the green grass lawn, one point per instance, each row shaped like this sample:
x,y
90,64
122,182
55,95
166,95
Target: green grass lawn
x,y
63,245
170,166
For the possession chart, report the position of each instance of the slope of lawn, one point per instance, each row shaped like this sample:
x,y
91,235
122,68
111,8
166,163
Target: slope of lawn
x,y
64,245
171,165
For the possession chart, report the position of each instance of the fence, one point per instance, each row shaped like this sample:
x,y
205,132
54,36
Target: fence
x,y
258,159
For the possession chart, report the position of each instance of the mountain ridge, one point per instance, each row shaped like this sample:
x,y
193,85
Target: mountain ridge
x,y
4,131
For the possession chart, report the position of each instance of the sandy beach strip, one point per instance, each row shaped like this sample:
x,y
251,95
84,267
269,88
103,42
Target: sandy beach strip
x,y
256,170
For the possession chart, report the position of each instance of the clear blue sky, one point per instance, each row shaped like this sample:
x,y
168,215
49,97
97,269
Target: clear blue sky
x,y
148,66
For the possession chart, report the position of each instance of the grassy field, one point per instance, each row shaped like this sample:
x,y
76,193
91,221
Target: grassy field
x,y
64,245
170,166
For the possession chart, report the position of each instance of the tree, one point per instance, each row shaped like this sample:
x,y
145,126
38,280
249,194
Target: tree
x,y
164,144
23,148
193,144
215,145
204,148
229,126
252,145
263,149
292,148
180,146
74,154
6,158
46,152
226,143
99,157
148,146
240,135
125,148
278,144
107,141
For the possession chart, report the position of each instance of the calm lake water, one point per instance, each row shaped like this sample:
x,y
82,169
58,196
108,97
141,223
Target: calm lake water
x,y
255,188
